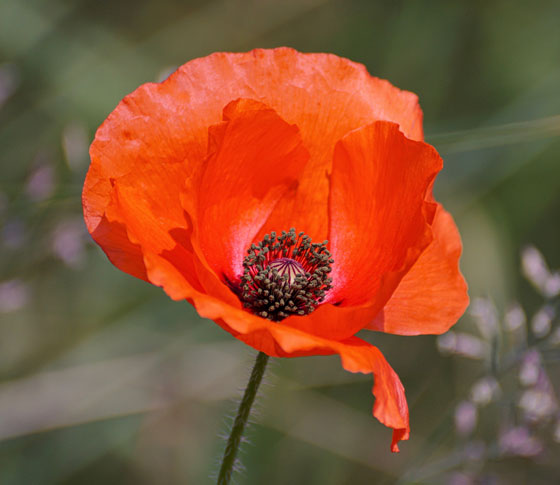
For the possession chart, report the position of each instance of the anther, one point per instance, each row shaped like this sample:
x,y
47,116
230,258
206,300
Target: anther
x,y
285,275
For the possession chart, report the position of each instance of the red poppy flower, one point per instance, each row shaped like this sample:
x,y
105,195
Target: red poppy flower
x,y
195,185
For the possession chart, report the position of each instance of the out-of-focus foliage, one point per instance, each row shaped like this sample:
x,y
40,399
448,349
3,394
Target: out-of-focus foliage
x,y
105,380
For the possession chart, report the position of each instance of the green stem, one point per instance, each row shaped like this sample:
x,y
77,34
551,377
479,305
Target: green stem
x,y
232,447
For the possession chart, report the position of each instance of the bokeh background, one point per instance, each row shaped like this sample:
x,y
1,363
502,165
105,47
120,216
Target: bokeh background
x,y
103,379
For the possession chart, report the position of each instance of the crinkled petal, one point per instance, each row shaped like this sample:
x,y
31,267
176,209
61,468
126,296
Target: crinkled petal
x,y
379,217
167,124
150,131
154,221
255,158
113,239
326,96
433,294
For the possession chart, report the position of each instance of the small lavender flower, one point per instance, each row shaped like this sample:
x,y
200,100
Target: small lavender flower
x,y
530,368
541,323
68,241
41,183
14,294
466,415
515,317
485,390
519,441
462,344
534,267
552,285
537,404
485,316
537,272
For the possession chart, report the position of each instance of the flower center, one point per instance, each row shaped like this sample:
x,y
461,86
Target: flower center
x,y
285,275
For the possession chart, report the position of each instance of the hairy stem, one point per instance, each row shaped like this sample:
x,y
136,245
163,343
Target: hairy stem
x,y
234,440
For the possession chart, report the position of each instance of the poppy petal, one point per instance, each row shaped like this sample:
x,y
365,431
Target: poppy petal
x,y
167,123
356,356
297,90
150,128
334,322
111,235
379,218
255,158
154,220
433,294
278,340
263,156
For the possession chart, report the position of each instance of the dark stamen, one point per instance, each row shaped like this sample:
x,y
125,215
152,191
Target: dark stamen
x,y
285,275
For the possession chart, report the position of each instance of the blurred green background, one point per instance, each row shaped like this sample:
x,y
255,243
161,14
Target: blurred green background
x,y
103,379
